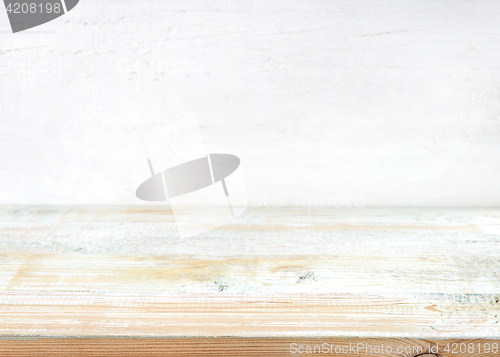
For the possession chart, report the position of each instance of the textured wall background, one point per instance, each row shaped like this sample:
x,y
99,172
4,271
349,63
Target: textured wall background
x,y
326,102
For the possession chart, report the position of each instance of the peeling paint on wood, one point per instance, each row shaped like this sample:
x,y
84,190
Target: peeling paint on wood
x,y
118,271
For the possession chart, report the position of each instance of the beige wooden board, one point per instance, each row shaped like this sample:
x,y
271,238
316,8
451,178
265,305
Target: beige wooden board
x,y
122,271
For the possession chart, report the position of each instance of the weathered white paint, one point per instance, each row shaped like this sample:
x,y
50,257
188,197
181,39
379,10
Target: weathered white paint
x,y
272,272
326,102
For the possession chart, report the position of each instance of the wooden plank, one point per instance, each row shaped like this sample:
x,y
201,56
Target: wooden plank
x,y
327,102
290,272
134,314
248,347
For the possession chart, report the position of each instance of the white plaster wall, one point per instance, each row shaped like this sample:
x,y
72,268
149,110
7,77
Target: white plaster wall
x,y
326,102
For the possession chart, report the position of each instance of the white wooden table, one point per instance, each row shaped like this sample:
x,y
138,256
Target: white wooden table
x,y
80,279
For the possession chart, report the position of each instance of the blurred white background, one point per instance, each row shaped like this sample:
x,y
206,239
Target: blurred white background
x,y
340,103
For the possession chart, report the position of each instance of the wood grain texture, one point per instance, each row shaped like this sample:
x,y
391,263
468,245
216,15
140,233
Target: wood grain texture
x,y
122,271
327,102
246,347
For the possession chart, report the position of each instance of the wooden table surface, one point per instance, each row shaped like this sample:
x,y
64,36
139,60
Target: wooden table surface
x,y
113,276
